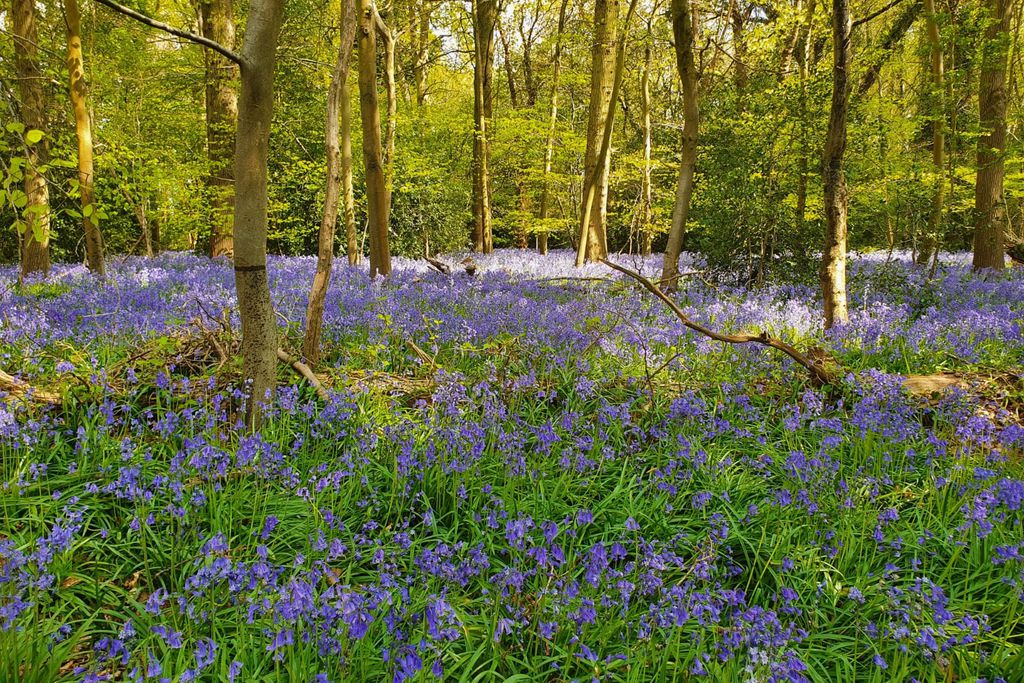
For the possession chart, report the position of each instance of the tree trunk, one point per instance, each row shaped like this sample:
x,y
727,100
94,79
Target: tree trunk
x,y
833,263
803,59
510,73
530,84
739,49
485,16
347,191
255,112
549,147
377,209
217,22
335,163
989,209
421,51
646,234
937,106
83,131
593,244
684,31
389,38
892,37
35,231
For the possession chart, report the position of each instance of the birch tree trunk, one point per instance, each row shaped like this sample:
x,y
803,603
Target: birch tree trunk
x,y
255,112
34,232
989,209
485,17
377,209
684,31
83,131
347,191
549,147
335,171
833,263
218,24
593,243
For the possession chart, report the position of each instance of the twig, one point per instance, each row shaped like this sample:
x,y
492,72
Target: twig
x,y
304,370
818,372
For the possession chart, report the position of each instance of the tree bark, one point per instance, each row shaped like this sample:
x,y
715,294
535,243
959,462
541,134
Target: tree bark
x,y
335,171
549,147
34,232
593,244
377,209
833,263
217,22
421,50
485,17
739,49
510,73
646,234
803,62
347,190
989,209
684,31
83,131
936,102
389,38
255,112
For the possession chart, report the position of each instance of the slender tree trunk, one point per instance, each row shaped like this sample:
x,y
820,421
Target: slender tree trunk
x,y
218,24
593,244
937,104
530,83
684,31
347,191
803,61
255,112
989,209
335,170
786,60
739,47
83,130
34,232
377,209
833,263
485,17
421,51
510,73
389,38
549,147
646,233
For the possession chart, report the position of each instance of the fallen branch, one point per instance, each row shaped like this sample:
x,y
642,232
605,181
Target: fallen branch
x,y
817,369
304,370
22,389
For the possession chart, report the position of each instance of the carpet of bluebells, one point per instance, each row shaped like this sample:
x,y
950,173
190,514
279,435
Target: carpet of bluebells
x,y
581,490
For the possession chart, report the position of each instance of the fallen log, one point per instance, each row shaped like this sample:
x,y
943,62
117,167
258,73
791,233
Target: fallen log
x,y
18,388
816,367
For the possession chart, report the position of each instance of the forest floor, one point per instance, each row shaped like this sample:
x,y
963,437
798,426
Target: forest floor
x,y
530,473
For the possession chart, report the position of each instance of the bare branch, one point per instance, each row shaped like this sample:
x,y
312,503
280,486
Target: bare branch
x,y
153,23
304,370
818,371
